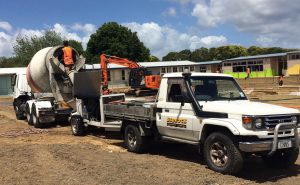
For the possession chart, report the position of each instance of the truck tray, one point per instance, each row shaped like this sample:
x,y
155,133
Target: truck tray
x,y
131,111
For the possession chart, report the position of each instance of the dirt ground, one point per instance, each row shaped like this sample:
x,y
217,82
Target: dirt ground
x,y
54,156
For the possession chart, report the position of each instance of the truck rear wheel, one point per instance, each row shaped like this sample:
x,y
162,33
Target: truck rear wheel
x,y
77,126
282,158
28,115
35,118
133,139
221,154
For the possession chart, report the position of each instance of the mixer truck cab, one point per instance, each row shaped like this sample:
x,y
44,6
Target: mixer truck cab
x,y
207,110
21,94
51,97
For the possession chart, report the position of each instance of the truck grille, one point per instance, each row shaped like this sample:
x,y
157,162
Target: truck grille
x,y
270,122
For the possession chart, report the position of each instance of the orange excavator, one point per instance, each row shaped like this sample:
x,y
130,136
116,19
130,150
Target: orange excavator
x,y
140,79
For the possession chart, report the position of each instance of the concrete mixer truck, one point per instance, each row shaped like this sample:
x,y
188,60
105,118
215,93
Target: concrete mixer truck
x,y
50,97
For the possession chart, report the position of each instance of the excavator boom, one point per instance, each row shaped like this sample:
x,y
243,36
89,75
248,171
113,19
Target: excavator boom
x,y
137,73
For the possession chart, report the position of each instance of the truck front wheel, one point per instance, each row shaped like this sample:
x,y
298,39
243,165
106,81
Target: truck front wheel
x,y
19,113
282,158
133,139
221,154
77,126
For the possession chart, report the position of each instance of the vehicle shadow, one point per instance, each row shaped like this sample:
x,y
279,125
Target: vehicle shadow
x,y
255,170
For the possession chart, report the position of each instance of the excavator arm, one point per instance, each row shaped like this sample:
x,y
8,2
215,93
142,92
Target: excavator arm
x,y
108,59
137,76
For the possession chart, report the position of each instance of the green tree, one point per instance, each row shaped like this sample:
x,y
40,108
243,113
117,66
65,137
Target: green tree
x,y
114,39
255,50
226,52
200,55
178,56
153,59
27,46
77,46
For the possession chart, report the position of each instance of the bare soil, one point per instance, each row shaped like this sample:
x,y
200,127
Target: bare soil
x,y
54,156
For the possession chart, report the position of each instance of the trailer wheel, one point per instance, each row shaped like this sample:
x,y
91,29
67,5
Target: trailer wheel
x,y
35,118
77,126
221,154
133,139
28,115
282,158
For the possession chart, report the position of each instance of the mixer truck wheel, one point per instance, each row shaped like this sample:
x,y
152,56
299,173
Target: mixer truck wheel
x,y
35,118
28,115
77,126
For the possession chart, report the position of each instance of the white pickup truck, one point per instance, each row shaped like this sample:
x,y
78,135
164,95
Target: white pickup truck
x,y
205,109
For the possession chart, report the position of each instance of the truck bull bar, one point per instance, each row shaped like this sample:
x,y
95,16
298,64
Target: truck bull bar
x,y
271,146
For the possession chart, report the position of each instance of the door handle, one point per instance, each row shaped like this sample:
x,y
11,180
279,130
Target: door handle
x,y
167,110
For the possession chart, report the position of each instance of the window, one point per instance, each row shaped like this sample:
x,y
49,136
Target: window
x,y
175,69
227,64
168,70
123,75
180,69
295,56
162,70
253,65
203,69
192,68
216,89
176,88
108,76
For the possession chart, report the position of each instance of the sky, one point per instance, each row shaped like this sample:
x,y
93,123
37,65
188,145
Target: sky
x,y
162,25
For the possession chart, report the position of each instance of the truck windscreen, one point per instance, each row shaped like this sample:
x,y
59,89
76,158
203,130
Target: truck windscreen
x,y
216,88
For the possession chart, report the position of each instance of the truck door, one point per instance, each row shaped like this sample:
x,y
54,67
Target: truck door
x,y
176,119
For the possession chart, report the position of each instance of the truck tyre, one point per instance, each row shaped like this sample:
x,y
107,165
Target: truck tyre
x,y
282,158
77,126
133,139
28,115
19,114
35,118
221,154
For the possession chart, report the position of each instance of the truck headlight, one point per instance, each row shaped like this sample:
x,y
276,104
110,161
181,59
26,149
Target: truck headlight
x,y
258,123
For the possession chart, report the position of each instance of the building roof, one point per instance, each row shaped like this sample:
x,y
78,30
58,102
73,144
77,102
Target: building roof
x,y
147,64
293,52
13,70
210,62
258,56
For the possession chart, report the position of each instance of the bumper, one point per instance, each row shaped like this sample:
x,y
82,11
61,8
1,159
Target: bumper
x,y
272,145
261,146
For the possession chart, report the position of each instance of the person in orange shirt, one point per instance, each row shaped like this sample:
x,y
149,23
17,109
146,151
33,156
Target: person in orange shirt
x,y
69,57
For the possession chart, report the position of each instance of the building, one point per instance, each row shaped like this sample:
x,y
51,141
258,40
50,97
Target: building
x,y
264,65
210,66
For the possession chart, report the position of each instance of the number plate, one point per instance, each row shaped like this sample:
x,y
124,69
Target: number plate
x,y
284,144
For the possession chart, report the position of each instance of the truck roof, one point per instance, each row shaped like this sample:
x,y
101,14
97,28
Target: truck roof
x,y
170,75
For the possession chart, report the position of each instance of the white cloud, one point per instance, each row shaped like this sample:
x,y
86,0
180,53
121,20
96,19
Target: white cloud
x,y
163,39
5,26
79,32
5,44
170,12
272,22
